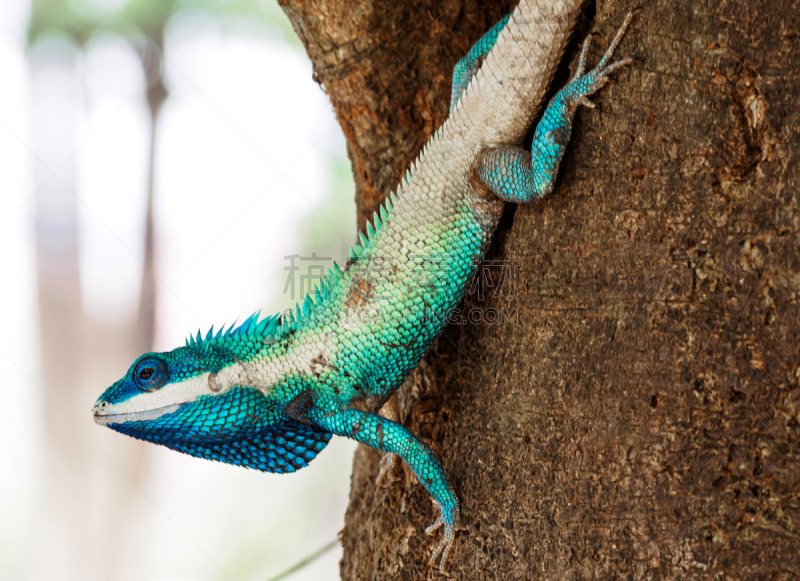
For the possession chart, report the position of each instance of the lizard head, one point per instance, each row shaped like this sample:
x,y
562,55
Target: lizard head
x,y
200,400
158,384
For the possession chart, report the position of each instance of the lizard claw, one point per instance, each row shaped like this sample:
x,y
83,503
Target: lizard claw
x,y
586,83
387,467
617,38
448,523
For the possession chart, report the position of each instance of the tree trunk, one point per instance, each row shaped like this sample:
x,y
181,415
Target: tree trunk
x,y
637,412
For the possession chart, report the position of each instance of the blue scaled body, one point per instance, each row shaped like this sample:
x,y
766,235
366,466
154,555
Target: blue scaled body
x,y
269,393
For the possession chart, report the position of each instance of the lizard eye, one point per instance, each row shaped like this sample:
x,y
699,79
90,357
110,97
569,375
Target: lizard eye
x,y
150,374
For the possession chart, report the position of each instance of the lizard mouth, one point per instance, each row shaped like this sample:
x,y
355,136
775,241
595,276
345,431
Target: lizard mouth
x,y
102,417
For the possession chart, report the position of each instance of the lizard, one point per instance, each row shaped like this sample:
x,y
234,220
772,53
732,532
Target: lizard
x,y
269,393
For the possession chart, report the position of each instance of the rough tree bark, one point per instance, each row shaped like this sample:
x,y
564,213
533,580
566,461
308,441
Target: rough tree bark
x,y
640,418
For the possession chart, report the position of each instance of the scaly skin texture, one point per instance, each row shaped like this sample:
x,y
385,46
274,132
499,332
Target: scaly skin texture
x,y
269,394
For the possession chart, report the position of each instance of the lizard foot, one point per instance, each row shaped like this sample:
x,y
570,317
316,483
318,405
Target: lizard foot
x,y
387,467
584,83
448,521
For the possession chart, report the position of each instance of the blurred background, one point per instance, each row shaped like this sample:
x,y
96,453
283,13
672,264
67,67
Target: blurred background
x,y
165,165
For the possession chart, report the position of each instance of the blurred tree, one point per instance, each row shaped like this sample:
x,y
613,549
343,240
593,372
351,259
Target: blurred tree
x,y
80,509
62,325
77,505
638,416
143,23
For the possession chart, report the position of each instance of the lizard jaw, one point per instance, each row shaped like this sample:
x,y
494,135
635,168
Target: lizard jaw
x,y
102,417
150,406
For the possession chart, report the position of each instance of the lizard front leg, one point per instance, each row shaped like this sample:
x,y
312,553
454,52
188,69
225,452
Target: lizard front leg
x,y
518,176
383,434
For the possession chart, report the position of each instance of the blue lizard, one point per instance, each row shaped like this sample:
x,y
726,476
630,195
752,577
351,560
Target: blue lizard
x,y
270,393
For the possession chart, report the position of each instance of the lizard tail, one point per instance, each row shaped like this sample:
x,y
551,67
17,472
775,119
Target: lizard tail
x,y
506,93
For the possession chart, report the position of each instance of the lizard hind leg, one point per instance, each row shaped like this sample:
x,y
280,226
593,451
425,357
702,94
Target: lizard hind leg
x,y
466,68
518,176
